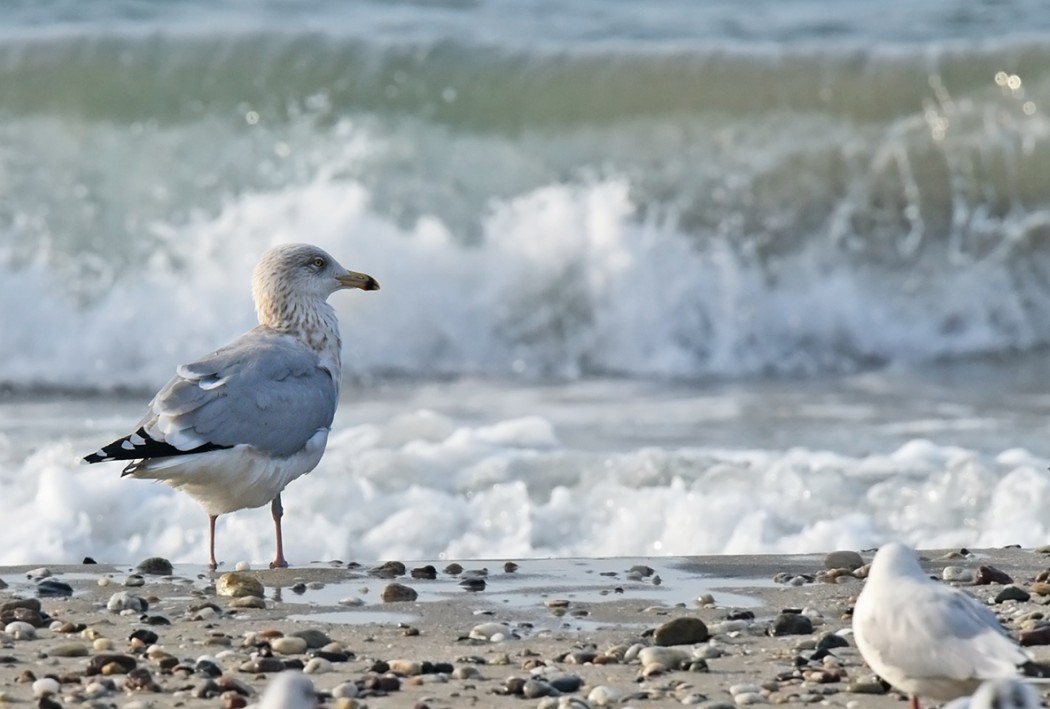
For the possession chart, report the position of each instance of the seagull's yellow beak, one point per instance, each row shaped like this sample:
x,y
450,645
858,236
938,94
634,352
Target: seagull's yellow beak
x,y
353,279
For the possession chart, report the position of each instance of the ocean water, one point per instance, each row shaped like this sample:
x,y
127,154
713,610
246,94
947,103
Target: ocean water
x,y
657,278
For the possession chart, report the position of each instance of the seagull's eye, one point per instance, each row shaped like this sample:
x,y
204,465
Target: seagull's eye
x,y
317,262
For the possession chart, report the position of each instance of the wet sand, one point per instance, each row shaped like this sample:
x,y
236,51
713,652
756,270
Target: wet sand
x,y
548,619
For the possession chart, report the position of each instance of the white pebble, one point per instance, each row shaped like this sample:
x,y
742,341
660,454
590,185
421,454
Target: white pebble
x,y
288,645
631,653
670,657
95,690
352,601
46,686
317,666
346,689
744,689
746,698
102,644
493,632
603,696
37,574
242,566
122,601
20,630
957,574
103,581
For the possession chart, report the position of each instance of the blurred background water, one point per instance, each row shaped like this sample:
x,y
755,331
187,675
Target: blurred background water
x,y
657,277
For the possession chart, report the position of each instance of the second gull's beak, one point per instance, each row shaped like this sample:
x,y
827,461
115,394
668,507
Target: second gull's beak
x,y
353,279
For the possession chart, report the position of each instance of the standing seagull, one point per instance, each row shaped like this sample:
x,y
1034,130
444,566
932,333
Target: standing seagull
x,y
234,428
928,639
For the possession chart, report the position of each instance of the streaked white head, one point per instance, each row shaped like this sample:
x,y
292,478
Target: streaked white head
x,y
289,690
894,560
1000,694
291,280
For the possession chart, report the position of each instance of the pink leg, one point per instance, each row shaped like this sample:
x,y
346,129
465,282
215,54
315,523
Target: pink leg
x,y
913,703
278,511
211,542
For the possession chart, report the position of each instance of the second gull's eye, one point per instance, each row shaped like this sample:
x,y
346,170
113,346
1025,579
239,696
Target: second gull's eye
x,y
318,262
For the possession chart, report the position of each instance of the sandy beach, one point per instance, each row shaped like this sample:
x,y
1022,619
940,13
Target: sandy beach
x,y
574,632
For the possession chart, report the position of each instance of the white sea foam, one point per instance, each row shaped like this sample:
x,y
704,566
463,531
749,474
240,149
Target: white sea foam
x,y
423,485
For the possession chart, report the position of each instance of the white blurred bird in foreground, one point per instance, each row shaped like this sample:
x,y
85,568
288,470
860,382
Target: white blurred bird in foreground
x,y
999,694
925,638
235,427
289,690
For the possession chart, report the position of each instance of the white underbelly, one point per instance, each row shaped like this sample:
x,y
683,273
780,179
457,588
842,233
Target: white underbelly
x,y
234,478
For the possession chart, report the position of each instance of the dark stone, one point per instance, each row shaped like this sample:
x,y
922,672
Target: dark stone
x,y
26,615
1012,593
830,641
52,588
155,566
96,663
428,573
265,665
1035,636
88,561
740,614
438,668
566,683
535,688
207,668
473,584
379,667
48,703
144,636
510,567
681,631
388,570
641,571
299,588
514,685
791,624
453,569
398,592
698,666
140,680
989,574
155,620
331,656
314,638
206,690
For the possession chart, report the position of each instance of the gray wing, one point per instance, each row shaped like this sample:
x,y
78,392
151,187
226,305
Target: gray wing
x,y
939,632
264,389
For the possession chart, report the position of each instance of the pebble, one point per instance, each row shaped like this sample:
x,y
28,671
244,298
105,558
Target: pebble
x,y
52,588
155,566
1040,588
957,574
791,624
20,630
398,593
681,631
234,585
346,690
46,686
102,644
705,599
1036,636
248,602
844,559
604,695
122,601
989,574
749,698
314,638
466,672
288,645
1012,593
493,632
109,664
535,688
69,650
317,666
39,574
669,657
134,581
388,570
406,668
866,688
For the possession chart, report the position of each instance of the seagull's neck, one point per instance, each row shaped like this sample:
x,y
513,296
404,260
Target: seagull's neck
x,y
311,320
